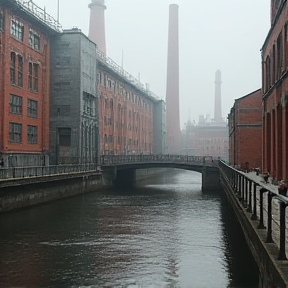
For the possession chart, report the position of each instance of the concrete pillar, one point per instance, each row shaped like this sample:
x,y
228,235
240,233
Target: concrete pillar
x,y
97,24
264,143
211,179
125,178
271,138
285,142
279,142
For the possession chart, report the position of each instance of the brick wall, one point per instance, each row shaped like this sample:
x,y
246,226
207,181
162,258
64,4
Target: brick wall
x,y
245,131
125,116
33,55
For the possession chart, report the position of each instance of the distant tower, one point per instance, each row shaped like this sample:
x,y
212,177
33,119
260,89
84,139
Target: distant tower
x,y
172,88
218,106
97,24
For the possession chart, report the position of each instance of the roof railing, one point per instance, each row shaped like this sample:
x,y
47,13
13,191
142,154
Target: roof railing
x,y
39,13
121,72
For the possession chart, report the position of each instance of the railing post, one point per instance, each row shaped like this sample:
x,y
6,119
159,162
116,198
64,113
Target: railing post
x,y
261,220
254,215
238,183
282,253
246,192
234,181
269,238
242,188
249,207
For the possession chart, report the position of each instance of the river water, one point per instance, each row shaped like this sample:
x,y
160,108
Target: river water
x,y
163,233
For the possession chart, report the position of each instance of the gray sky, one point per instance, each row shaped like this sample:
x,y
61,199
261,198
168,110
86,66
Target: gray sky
x,y
214,34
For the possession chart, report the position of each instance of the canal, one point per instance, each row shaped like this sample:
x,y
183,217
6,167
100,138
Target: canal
x,y
163,233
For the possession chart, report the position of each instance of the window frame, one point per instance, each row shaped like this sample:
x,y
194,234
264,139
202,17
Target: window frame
x,y
32,111
15,135
32,134
15,104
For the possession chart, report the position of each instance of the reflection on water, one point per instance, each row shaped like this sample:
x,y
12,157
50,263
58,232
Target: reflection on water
x,y
164,233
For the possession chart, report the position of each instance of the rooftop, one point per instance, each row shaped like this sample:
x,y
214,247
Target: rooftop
x,y
103,58
36,12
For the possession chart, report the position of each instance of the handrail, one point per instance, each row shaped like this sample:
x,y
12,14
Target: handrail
x,y
121,72
107,160
248,197
36,171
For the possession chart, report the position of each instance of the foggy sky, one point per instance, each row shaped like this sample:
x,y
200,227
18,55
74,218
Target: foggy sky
x,y
214,34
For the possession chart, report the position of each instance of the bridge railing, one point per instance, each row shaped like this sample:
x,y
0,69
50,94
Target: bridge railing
x,y
34,171
266,206
126,159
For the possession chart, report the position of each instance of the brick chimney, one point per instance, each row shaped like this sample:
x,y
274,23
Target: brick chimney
x,y
97,24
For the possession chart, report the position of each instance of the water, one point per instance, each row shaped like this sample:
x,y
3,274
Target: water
x,y
164,233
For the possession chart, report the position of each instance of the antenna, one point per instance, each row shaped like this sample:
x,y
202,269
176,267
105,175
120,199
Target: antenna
x,y
122,59
58,5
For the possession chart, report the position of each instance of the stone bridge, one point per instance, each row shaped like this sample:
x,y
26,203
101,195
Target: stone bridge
x,y
120,169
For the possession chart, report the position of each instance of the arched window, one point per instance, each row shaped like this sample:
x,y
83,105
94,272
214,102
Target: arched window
x,y
268,73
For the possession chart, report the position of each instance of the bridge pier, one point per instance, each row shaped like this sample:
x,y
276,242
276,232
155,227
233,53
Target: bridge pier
x,y
119,178
211,179
125,178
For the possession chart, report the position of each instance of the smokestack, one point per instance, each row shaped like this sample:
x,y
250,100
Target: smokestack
x,y
172,88
97,24
218,106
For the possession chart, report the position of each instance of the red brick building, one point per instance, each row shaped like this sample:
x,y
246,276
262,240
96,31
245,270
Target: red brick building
x,y
275,93
245,131
24,83
205,139
127,112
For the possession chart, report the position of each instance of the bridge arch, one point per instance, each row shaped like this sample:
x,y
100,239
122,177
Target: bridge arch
x,y
121,169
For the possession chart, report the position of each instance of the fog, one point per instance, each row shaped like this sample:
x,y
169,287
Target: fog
x,y
214,34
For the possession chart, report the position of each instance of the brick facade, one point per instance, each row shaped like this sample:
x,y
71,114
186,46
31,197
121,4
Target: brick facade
x,y
206,139
245,131
24,87
126,111
275,93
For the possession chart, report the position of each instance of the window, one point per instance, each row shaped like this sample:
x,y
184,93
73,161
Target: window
x,y
17,29
279,55
32,134
99,78
20,71
64,137
30,76
88,104
35,77
15,132
15,104
1,19
32,109
34,39
33,70
12,67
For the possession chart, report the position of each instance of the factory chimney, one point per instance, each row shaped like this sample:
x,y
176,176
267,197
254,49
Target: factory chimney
x,y
172,86
97,24
218,106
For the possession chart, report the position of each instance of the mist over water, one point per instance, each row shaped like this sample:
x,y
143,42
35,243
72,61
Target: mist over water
x,y
163,233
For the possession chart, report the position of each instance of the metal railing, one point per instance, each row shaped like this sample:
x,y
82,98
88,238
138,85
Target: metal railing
x,y
121,72
161,158
36,171
39,13
266,206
